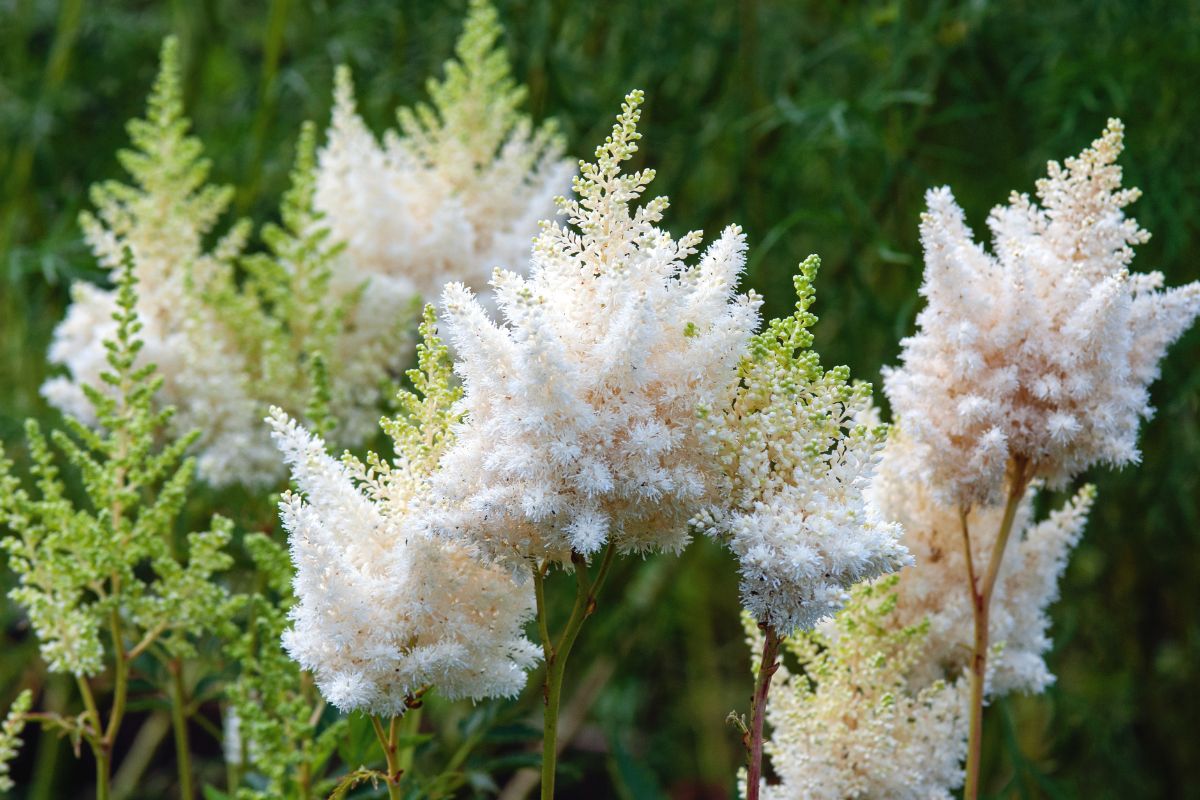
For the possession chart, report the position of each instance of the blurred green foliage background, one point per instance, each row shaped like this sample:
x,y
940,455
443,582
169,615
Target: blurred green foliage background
x,y
817,126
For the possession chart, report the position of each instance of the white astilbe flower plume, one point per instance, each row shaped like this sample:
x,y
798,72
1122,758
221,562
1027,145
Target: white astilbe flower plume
x,y
934,590
322,318
880,707
161,222
458,191
1042,351
385,609
849,723
798,462
581,405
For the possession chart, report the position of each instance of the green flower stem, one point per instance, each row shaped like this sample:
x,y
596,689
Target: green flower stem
x,y
183,756
89,703
100,747
767,668
412,727
556,655
303,782
147,640
981,597
308,691
106,737
120,672
387,741
103,770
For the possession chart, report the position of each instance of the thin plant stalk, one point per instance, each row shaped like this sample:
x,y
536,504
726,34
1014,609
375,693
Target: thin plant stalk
x,y
103,770
89,704
556,654
399,759
183,756
767,667
121,679
103,738
304,780
99,740
981,599
412,727
387,741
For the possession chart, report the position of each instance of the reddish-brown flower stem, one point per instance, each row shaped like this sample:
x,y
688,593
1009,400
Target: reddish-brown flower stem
x,y
981,600
767,668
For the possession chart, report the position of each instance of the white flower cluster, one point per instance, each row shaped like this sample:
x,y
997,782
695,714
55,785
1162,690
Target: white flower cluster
x,y
1030,364
385,609
880,707
160,224
935,589
456,193
849,724
373,228
798,462
1042,351
194,356
581,404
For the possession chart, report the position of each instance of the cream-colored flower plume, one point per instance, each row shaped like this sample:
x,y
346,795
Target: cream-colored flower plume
x,y
797,461
456,192
934,589
848,721
581,405
1042,351
162,221
385,609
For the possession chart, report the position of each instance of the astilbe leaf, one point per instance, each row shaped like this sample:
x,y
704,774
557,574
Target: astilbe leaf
x,y
429,411
77,564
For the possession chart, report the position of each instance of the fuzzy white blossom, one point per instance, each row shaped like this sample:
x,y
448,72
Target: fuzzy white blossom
x,y
203,373
161,224
846,720
1042,351
1028,366
581,405
934,589
879,708
385,609
457,191
797,463
321,320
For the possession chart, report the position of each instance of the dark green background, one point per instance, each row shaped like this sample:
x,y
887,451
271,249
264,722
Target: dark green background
x,y
815,125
